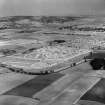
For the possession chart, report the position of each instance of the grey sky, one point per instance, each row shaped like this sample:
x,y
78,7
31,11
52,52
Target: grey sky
x,y
51,7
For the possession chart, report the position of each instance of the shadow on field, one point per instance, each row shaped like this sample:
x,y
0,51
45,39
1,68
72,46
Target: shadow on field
x,y
97,93
28,89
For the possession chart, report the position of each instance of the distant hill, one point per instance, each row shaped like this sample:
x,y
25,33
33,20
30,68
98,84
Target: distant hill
x,y
43,19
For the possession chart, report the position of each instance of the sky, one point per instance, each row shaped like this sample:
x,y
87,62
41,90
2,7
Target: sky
x,y
51,7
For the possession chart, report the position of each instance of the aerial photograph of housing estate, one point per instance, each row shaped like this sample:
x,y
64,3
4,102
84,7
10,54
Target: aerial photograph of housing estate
x,y
52,52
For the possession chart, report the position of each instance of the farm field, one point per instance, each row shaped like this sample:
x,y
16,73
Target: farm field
x,y
34,44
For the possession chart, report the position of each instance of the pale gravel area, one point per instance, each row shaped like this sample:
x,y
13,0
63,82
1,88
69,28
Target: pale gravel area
x,y
49,56
3,43
45,57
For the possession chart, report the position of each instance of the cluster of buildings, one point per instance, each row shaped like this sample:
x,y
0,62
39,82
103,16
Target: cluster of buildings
x,y
52,55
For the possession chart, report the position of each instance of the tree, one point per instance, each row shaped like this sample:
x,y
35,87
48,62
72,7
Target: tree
x,y
97,63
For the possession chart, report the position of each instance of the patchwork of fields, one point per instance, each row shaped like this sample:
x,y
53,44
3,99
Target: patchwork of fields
x,y
38,43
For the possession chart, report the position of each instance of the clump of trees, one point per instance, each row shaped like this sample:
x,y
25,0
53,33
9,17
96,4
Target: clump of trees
x,y
7,52
59,41
98,63
50,43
